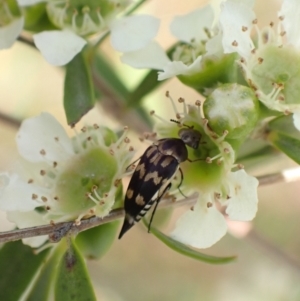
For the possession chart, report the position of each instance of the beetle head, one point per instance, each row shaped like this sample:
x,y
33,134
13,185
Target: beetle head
x,y
190,137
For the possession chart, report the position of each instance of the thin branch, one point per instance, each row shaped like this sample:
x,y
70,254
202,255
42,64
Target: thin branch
x,y
10,120
28,41
59,230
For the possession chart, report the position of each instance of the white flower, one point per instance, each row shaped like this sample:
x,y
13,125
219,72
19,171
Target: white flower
x,y
190,29
133,33
204,225
271,64
216,184
236,21
242,196
179,68
59,47
151,56
65,179
201,227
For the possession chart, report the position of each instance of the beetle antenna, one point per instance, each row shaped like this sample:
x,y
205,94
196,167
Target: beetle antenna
x,y
182,124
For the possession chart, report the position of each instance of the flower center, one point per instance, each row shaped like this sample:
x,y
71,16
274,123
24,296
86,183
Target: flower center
x,y
188,53
83,16
277,66
92,171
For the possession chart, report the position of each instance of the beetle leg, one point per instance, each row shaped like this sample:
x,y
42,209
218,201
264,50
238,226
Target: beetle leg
x,y
132,163
181,180
194,160
157,201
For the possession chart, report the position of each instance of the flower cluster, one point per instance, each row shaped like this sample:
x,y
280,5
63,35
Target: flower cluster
x,y
219,181
71,24
61,178
213,44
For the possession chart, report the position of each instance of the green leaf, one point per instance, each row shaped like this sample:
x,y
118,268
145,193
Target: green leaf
x,y
73,281
95,242
18,265
184,250
78,90
42,287
284,136
36,18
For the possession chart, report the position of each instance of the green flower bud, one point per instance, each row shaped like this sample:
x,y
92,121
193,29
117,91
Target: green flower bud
x,y
232,108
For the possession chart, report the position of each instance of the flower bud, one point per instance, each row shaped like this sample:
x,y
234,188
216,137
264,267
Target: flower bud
x,y
233,108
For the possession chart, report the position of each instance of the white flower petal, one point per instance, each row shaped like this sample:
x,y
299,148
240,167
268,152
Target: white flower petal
x,y
29,2
15,194
214,46
191,26
152,56
200,228
290,10
296,118
29,219
10,32
179,68
58,47
242,205
133,33
45,133
234,16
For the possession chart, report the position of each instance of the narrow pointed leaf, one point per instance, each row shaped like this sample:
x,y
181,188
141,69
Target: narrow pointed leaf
x,y
78,90
284,136
18,265
185,250
73,281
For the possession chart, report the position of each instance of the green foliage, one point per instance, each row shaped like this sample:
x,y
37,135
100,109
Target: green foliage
x,y
285,137
44,283
78,90
95,242
73,281
186,251
18,266
36,18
